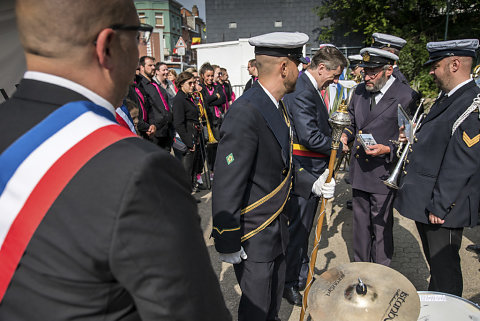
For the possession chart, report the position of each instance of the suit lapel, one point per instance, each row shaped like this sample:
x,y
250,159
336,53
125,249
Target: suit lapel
x,y
440,106
274,119
384,104
318,100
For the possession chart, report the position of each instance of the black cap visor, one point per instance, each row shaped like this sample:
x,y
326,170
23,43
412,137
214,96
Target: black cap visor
x,y
293,53
439,55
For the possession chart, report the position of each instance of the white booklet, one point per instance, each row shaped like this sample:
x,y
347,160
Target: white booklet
x,y
366,140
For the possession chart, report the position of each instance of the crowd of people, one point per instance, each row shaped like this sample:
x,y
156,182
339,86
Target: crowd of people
x,y
99,223
181,113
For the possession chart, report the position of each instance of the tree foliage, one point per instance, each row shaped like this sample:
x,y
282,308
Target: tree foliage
x,y
417,21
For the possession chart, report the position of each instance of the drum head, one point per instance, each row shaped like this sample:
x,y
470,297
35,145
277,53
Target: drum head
x,y
437,306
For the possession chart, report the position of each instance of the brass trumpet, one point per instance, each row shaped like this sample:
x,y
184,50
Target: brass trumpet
x,y
393,178
198,97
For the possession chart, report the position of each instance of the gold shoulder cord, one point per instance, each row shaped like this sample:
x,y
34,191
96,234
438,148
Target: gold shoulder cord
x,y
274,192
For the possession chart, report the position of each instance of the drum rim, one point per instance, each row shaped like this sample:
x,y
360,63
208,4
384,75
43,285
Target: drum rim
x,y
448,294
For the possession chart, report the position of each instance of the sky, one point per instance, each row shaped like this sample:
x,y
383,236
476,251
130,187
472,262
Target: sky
x,y
189,4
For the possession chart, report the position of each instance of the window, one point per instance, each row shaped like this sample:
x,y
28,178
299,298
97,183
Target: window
x,y
277,24
232,25
142,17
158,19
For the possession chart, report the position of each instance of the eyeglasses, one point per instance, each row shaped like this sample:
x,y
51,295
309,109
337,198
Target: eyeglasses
x,y
220,73
371,73
190,83
144,31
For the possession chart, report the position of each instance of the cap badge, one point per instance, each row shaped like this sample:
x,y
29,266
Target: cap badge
x,y
366,57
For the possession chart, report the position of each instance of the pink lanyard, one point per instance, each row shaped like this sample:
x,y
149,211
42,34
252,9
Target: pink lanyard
x,y
161,96
225,106
142,101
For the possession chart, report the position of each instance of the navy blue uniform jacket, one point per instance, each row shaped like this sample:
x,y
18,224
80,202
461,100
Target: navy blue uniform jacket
x,y
443,170
260,163
367,172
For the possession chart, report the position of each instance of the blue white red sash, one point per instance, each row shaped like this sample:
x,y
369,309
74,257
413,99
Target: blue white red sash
x,y
37,167
124,118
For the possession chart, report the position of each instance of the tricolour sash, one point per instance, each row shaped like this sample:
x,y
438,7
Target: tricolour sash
x,y
37,167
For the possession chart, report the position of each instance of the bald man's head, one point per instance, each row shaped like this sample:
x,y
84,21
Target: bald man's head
x,y
60,28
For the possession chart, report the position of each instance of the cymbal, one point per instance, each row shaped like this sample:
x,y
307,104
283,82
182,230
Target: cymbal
x,y
363,291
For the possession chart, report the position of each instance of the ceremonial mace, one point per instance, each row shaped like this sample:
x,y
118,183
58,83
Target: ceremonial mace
x,y
339,120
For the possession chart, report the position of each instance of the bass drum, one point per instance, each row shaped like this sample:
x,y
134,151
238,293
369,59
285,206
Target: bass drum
x,y
438,306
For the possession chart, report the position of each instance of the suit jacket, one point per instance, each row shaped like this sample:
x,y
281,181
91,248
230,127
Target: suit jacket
x,y
399,75
259,162
367,172
163,117
442,172
185,118
119,242
310,124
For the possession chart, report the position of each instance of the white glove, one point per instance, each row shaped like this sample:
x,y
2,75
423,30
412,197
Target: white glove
x,y
320,188
233,258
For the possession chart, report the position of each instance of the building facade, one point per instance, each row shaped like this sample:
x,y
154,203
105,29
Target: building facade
x,y
166,19
193,33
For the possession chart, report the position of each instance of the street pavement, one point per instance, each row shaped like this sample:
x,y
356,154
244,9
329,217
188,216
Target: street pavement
x,y
335,249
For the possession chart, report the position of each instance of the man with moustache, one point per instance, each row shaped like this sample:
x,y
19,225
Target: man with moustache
x,y
254,176
311,149
440,186
373,110
91,213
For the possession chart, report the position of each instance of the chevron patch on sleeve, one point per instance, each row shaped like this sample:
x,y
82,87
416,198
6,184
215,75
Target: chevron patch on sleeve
x,y
470,141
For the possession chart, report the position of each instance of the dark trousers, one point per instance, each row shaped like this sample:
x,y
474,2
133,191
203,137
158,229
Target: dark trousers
x,y
164,142
372,227
188,159
262,288
441,246
301,213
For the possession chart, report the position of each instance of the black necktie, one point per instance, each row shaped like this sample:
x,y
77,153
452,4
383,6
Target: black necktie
x,y
373,103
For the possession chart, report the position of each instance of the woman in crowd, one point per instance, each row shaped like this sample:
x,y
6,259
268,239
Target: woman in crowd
x,y
214,98
186,123
172,76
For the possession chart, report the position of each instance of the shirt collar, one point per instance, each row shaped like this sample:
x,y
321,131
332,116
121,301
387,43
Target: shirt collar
x,y
269,95
312,79
389,82
62,82
451,92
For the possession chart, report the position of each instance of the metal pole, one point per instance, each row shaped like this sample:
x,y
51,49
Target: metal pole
x,y
446,22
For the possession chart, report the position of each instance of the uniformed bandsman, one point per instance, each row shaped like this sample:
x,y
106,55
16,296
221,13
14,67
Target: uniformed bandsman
x,y
254,176
391,44
373,110
440,186
356,72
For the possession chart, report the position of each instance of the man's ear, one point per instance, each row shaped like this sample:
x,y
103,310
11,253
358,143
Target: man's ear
x,y
321,68
104,47
455,64
284,67
389,71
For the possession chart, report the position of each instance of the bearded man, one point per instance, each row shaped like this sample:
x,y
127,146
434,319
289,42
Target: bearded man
x,y
373,110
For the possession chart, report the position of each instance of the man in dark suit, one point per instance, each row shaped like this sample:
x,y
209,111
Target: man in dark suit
x,y
108,246
312,144
254,176
440,186
373,110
